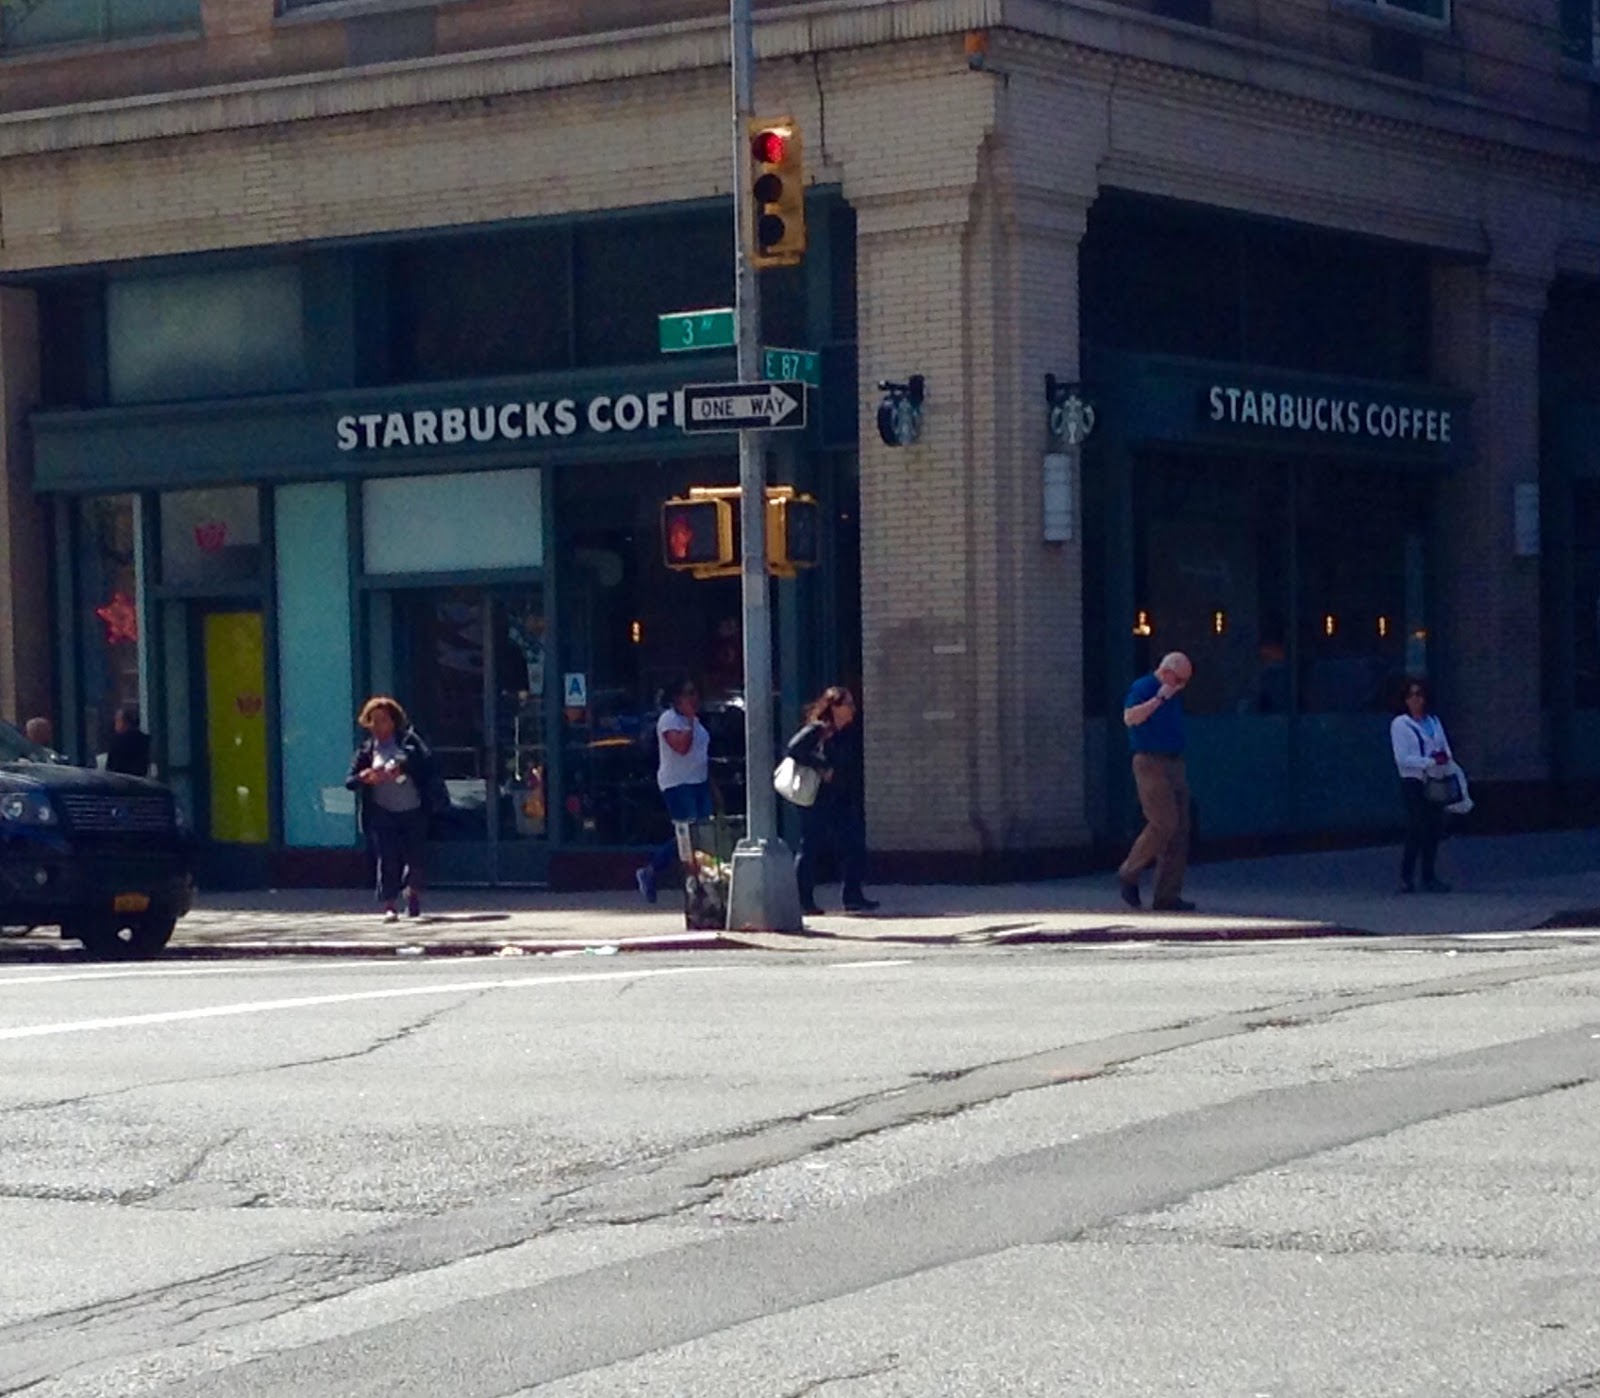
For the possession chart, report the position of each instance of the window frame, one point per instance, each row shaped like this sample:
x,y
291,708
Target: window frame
x,y
106,33
1394,12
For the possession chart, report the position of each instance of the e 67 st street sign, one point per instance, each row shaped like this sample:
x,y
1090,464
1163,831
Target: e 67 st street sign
x,y
738,407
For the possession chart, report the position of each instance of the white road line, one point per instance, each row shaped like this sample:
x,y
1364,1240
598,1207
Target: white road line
x,y
256,1007
184,972
864,965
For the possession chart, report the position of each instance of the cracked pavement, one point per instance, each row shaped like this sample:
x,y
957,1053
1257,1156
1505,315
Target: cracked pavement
x,y
782,1176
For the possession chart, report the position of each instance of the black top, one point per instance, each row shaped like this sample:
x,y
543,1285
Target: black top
x,y
839,752
129,753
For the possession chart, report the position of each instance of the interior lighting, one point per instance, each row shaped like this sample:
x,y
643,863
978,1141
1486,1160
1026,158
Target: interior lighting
x,y
1383,627
1219,622
1141,624
1330,624
636,632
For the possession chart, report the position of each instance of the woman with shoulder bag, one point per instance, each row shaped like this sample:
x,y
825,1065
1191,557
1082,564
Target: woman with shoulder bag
x,y
1429,782
830,745
392,773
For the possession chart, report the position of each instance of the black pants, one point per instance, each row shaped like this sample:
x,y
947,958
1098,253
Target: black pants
x,y
1424,826
831,825
398,839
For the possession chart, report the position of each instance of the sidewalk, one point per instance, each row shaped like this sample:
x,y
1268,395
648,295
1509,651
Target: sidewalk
x,y
1502,884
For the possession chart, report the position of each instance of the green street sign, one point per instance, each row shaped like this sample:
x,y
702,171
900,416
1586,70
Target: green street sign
x,y
804,365
682,332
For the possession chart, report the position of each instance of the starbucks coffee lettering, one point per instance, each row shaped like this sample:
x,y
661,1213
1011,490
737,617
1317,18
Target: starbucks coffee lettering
x,y
502,422
1329,415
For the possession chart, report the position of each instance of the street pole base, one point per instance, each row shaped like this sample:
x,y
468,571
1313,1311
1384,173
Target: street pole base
x,y
762,893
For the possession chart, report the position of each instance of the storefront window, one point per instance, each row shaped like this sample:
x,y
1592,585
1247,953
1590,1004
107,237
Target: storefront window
x,y
210,537
628,626
1361,621
1586,593
111,589
1215,573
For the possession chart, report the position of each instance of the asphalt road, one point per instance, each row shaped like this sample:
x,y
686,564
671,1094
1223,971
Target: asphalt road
x,y
1284,1169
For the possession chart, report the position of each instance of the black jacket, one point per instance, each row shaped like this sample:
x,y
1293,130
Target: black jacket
x,y
839,752
129,752
417,762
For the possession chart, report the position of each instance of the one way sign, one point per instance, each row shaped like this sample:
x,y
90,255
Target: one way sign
x,y
735,407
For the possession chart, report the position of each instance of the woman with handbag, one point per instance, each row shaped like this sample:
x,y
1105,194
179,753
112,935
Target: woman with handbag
x,y
830,745
1429,782
393,774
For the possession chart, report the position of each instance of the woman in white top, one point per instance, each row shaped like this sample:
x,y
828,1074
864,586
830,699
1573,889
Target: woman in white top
x,y
683,774
1420,748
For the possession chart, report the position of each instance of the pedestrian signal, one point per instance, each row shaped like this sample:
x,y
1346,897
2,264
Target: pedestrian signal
x,y
697,534
794,532
777,192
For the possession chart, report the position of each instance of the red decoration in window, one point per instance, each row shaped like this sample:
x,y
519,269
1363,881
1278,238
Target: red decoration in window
x,y
121,618
212,536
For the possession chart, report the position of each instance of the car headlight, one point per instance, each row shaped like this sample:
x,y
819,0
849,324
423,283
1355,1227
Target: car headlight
x,y
27,808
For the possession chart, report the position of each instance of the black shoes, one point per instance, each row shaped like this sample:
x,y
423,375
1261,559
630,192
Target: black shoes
x,y
1435,886
811,910
1173,905
863,904
1130,894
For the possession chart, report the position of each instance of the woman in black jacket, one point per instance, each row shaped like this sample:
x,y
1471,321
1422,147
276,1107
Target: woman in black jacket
x,y
830,744
392,772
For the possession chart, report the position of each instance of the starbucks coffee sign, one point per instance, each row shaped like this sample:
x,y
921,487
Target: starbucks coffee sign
x,y
1332,416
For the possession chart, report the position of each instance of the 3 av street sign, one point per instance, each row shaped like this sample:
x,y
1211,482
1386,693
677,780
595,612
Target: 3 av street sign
x,y
736,407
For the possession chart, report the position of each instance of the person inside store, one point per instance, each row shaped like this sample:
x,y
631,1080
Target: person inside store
x,y
41,731
830,743
1153,716
129,749
683,773
1422,758
393,774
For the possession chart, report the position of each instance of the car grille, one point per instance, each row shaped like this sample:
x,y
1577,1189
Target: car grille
x,y
94,813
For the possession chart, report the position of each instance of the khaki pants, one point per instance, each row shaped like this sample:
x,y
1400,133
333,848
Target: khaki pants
x,y
1163,788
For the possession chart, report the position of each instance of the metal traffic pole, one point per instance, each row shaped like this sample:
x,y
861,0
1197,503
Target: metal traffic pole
x,y
762,892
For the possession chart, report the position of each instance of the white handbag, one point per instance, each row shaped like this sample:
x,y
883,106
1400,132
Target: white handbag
x,y
796,783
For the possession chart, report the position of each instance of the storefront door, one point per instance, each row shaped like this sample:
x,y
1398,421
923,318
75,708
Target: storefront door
x,y
470,670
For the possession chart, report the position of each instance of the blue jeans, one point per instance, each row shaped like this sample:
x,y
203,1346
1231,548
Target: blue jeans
x,y
691,802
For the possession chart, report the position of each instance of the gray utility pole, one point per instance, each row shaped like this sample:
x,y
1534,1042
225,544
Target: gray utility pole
x,y
763,893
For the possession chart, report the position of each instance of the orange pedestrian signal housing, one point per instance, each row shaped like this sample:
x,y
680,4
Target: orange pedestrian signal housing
x,y
777,193
699,532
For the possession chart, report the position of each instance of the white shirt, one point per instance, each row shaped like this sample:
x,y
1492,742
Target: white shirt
x,y
688,768
1414,742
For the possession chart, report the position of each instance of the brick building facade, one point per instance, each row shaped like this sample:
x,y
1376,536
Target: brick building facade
x,y
1394,201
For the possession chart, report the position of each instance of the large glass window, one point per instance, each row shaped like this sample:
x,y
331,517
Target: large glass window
x,y
1294,587
1586,593
205,334
1362,628
459,522
1580,22
111,638
628,626
210,537
1214,579
33,23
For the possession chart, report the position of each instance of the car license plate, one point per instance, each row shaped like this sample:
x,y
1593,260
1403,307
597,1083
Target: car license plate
x,y
131,903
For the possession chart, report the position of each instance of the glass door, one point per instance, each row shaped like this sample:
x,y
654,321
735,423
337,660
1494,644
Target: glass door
x,y
469,669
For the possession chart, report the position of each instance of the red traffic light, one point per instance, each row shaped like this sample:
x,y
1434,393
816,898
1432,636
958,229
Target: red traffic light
x,y
696,533
769,147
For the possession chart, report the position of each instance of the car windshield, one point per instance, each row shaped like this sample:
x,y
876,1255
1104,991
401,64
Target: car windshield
x,y
16,748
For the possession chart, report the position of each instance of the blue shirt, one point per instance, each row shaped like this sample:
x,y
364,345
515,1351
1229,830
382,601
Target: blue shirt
x,y
1163,730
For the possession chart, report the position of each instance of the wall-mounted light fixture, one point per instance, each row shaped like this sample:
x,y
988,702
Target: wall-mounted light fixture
x,y
1330,624
1219,622
636,632
1383,628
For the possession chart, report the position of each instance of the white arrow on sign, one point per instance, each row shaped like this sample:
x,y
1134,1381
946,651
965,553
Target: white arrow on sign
x,y
731,407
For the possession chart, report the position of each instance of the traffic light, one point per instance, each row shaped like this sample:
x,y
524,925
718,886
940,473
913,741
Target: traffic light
x,y
794,532
778,194
697,533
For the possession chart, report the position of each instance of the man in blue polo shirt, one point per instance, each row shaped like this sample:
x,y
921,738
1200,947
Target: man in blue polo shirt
x,y
1153,716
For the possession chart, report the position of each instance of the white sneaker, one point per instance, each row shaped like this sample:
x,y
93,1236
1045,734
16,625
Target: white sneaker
x,y
390,915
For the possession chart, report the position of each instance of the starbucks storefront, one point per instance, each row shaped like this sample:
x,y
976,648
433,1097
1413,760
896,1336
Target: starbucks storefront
x,y
247,571
1277,528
